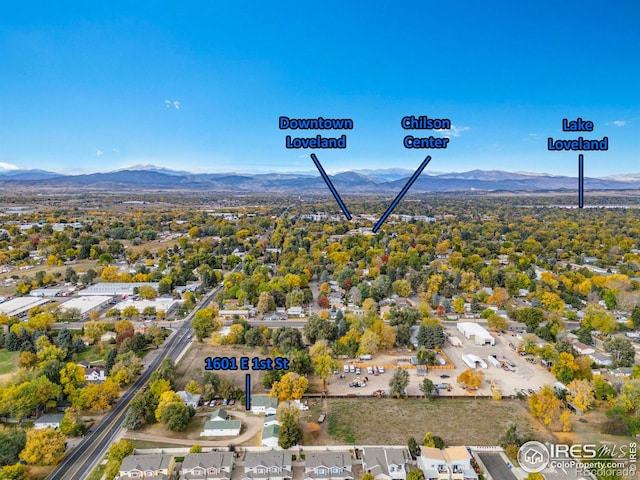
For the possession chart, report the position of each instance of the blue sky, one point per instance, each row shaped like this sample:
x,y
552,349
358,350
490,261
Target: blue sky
x,y
84,85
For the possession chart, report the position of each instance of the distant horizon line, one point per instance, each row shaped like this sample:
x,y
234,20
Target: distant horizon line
x,y
310,172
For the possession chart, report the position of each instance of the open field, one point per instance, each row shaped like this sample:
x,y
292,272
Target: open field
x,y
8,361
391,421
588,430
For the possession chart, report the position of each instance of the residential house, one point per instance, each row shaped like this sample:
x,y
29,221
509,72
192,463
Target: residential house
x,y
270,436
272,465
295,312
228,314
385,463
452,463
108,337
219,415
582,349
207,466
226,428
93,373
328,466
50,420
219,426
264,404
601,359
270,420
147,466
189,399
517,327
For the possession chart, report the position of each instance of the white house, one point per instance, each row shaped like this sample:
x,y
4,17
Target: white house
x,y
207,466
582,349
264,404
270,436
385,463
273,465
93,373
295,312
221,428
189,399
601,359
50,420
328,466
452,463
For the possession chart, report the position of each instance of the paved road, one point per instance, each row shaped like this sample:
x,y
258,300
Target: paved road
x,y
80,461
496,466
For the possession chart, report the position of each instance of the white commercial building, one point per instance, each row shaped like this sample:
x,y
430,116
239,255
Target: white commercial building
x,y
86,305
161,304
19,306
116,288
480,335
473,360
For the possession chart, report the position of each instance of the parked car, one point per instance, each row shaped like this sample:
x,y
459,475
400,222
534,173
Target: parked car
x,y
444,376
381,369
357,371
370,370
352,369
346,369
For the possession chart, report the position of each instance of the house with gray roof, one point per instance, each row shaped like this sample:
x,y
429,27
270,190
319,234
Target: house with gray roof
x,y
273,465
156,466
328,466
385,463
207,466
50,420
189,399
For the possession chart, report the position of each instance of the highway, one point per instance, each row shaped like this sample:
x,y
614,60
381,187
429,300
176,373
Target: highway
x,y
81,460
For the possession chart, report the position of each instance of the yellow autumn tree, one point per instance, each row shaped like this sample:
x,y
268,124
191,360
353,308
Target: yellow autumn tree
x,y
290,387
471,378
44,447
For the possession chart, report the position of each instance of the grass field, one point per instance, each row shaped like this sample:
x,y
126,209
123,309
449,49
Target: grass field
x,y
89,355
194,360
8,361
390,421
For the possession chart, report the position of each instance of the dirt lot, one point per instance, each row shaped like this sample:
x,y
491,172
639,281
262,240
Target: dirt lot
x,y
391,421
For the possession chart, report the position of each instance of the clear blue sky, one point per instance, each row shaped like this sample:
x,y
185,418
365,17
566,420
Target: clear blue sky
x,y
84,84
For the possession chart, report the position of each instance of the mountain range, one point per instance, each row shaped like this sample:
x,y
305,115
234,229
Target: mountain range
x,y
381,181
